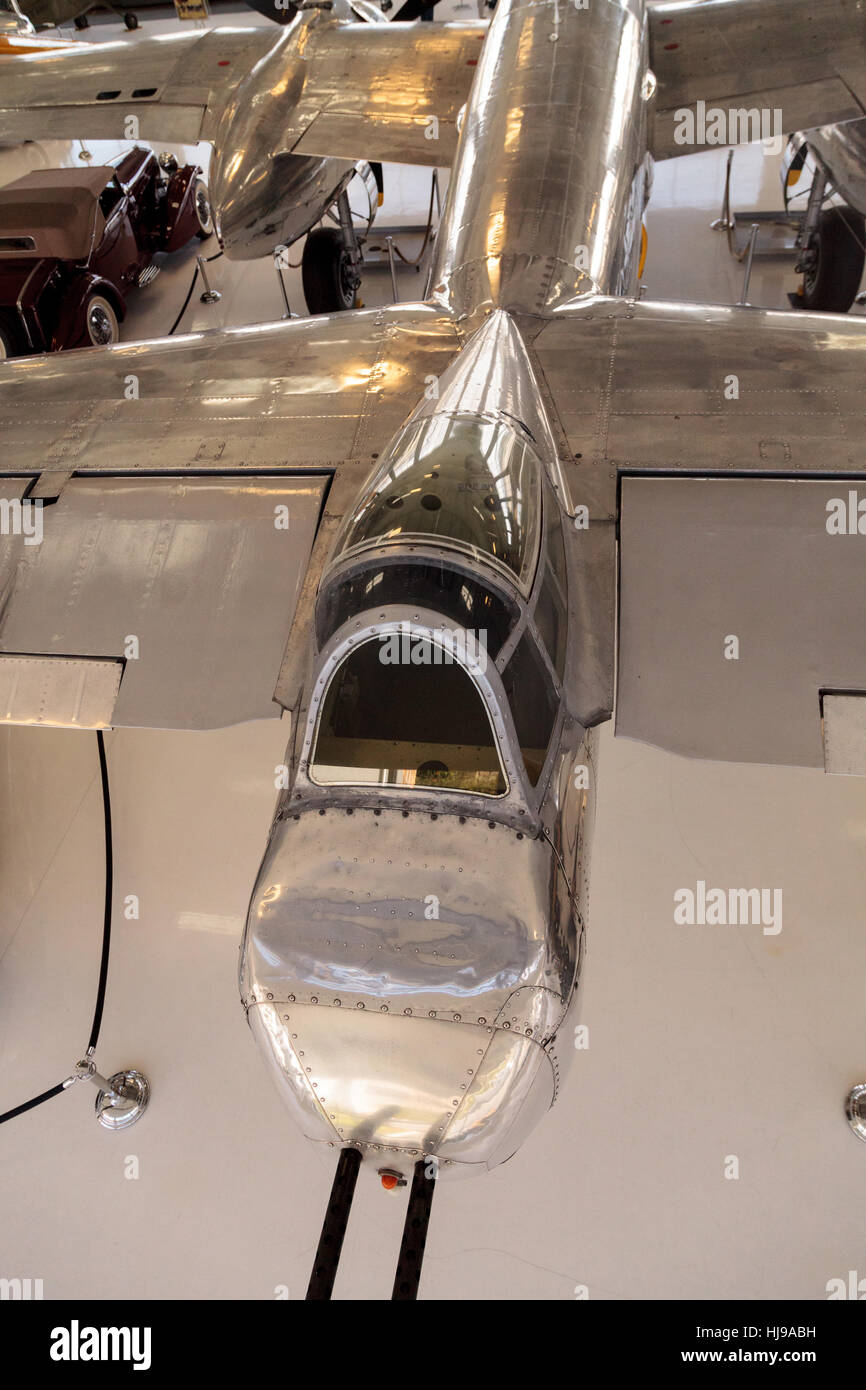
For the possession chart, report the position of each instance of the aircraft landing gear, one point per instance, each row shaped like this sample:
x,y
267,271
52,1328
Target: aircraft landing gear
x,y
330,265
130,20
831,243
832,261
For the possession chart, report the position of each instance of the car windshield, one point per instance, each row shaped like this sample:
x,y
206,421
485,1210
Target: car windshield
x,y
467,480
401,711
110,197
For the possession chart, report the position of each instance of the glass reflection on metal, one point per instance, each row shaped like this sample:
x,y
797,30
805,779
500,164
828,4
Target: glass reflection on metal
x,y
464,479
415,723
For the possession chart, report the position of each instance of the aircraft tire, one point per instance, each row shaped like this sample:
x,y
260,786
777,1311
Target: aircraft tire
x,y
839,246
326,273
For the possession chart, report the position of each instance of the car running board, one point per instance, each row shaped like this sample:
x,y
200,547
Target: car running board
x,y
148,275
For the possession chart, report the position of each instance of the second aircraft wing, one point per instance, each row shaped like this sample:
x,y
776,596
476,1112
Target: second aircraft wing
x,y
804,58
725,449
352,90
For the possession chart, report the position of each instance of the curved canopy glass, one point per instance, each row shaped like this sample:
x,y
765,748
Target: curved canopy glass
x,y
467,480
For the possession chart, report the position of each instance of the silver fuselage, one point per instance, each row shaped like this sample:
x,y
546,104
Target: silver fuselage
x,y
402,1032
541,205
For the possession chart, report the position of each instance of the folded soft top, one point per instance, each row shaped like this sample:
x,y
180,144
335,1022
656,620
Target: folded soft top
x,y
52,212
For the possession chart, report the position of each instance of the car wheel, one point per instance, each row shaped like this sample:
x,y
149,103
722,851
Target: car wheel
x,y
835,258
7,346
130,20
329,278
203,210
101,321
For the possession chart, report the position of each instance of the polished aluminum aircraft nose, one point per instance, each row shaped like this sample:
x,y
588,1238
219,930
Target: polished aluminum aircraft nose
x,y
401,1003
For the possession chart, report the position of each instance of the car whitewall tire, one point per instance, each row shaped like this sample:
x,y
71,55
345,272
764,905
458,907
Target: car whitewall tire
x,y
203,209
101,320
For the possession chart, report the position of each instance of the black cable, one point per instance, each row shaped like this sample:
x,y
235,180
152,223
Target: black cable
x,y
106,940
29,1104
185,304
109,882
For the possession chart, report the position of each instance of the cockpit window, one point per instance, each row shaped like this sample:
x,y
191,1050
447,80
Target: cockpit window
x,y
401,711
455,593
551,621
533,704
470,481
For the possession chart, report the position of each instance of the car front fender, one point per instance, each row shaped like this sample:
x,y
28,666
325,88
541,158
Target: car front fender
x,y
70,330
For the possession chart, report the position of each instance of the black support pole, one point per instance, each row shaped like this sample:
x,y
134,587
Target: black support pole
x,y
334,1227
408,1275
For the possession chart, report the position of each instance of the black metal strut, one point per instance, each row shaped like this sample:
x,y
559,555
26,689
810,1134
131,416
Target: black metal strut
x,y
408,1275
334,1226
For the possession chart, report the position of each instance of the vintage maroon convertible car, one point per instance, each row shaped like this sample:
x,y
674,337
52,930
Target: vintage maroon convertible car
x,y
74,242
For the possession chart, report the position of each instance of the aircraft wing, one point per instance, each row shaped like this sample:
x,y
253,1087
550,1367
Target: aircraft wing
x,y
806,58
371,91
190,490
386,91
175,85
43,13
726,447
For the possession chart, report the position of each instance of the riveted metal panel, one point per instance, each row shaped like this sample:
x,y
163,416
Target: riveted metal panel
x,y
378,1080
388,92
416,913
285,397
190,583
377,940
738,607
58,691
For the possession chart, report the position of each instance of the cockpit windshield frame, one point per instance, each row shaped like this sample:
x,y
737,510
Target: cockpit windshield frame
x,y
512,805
342,625
357,563
407,638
